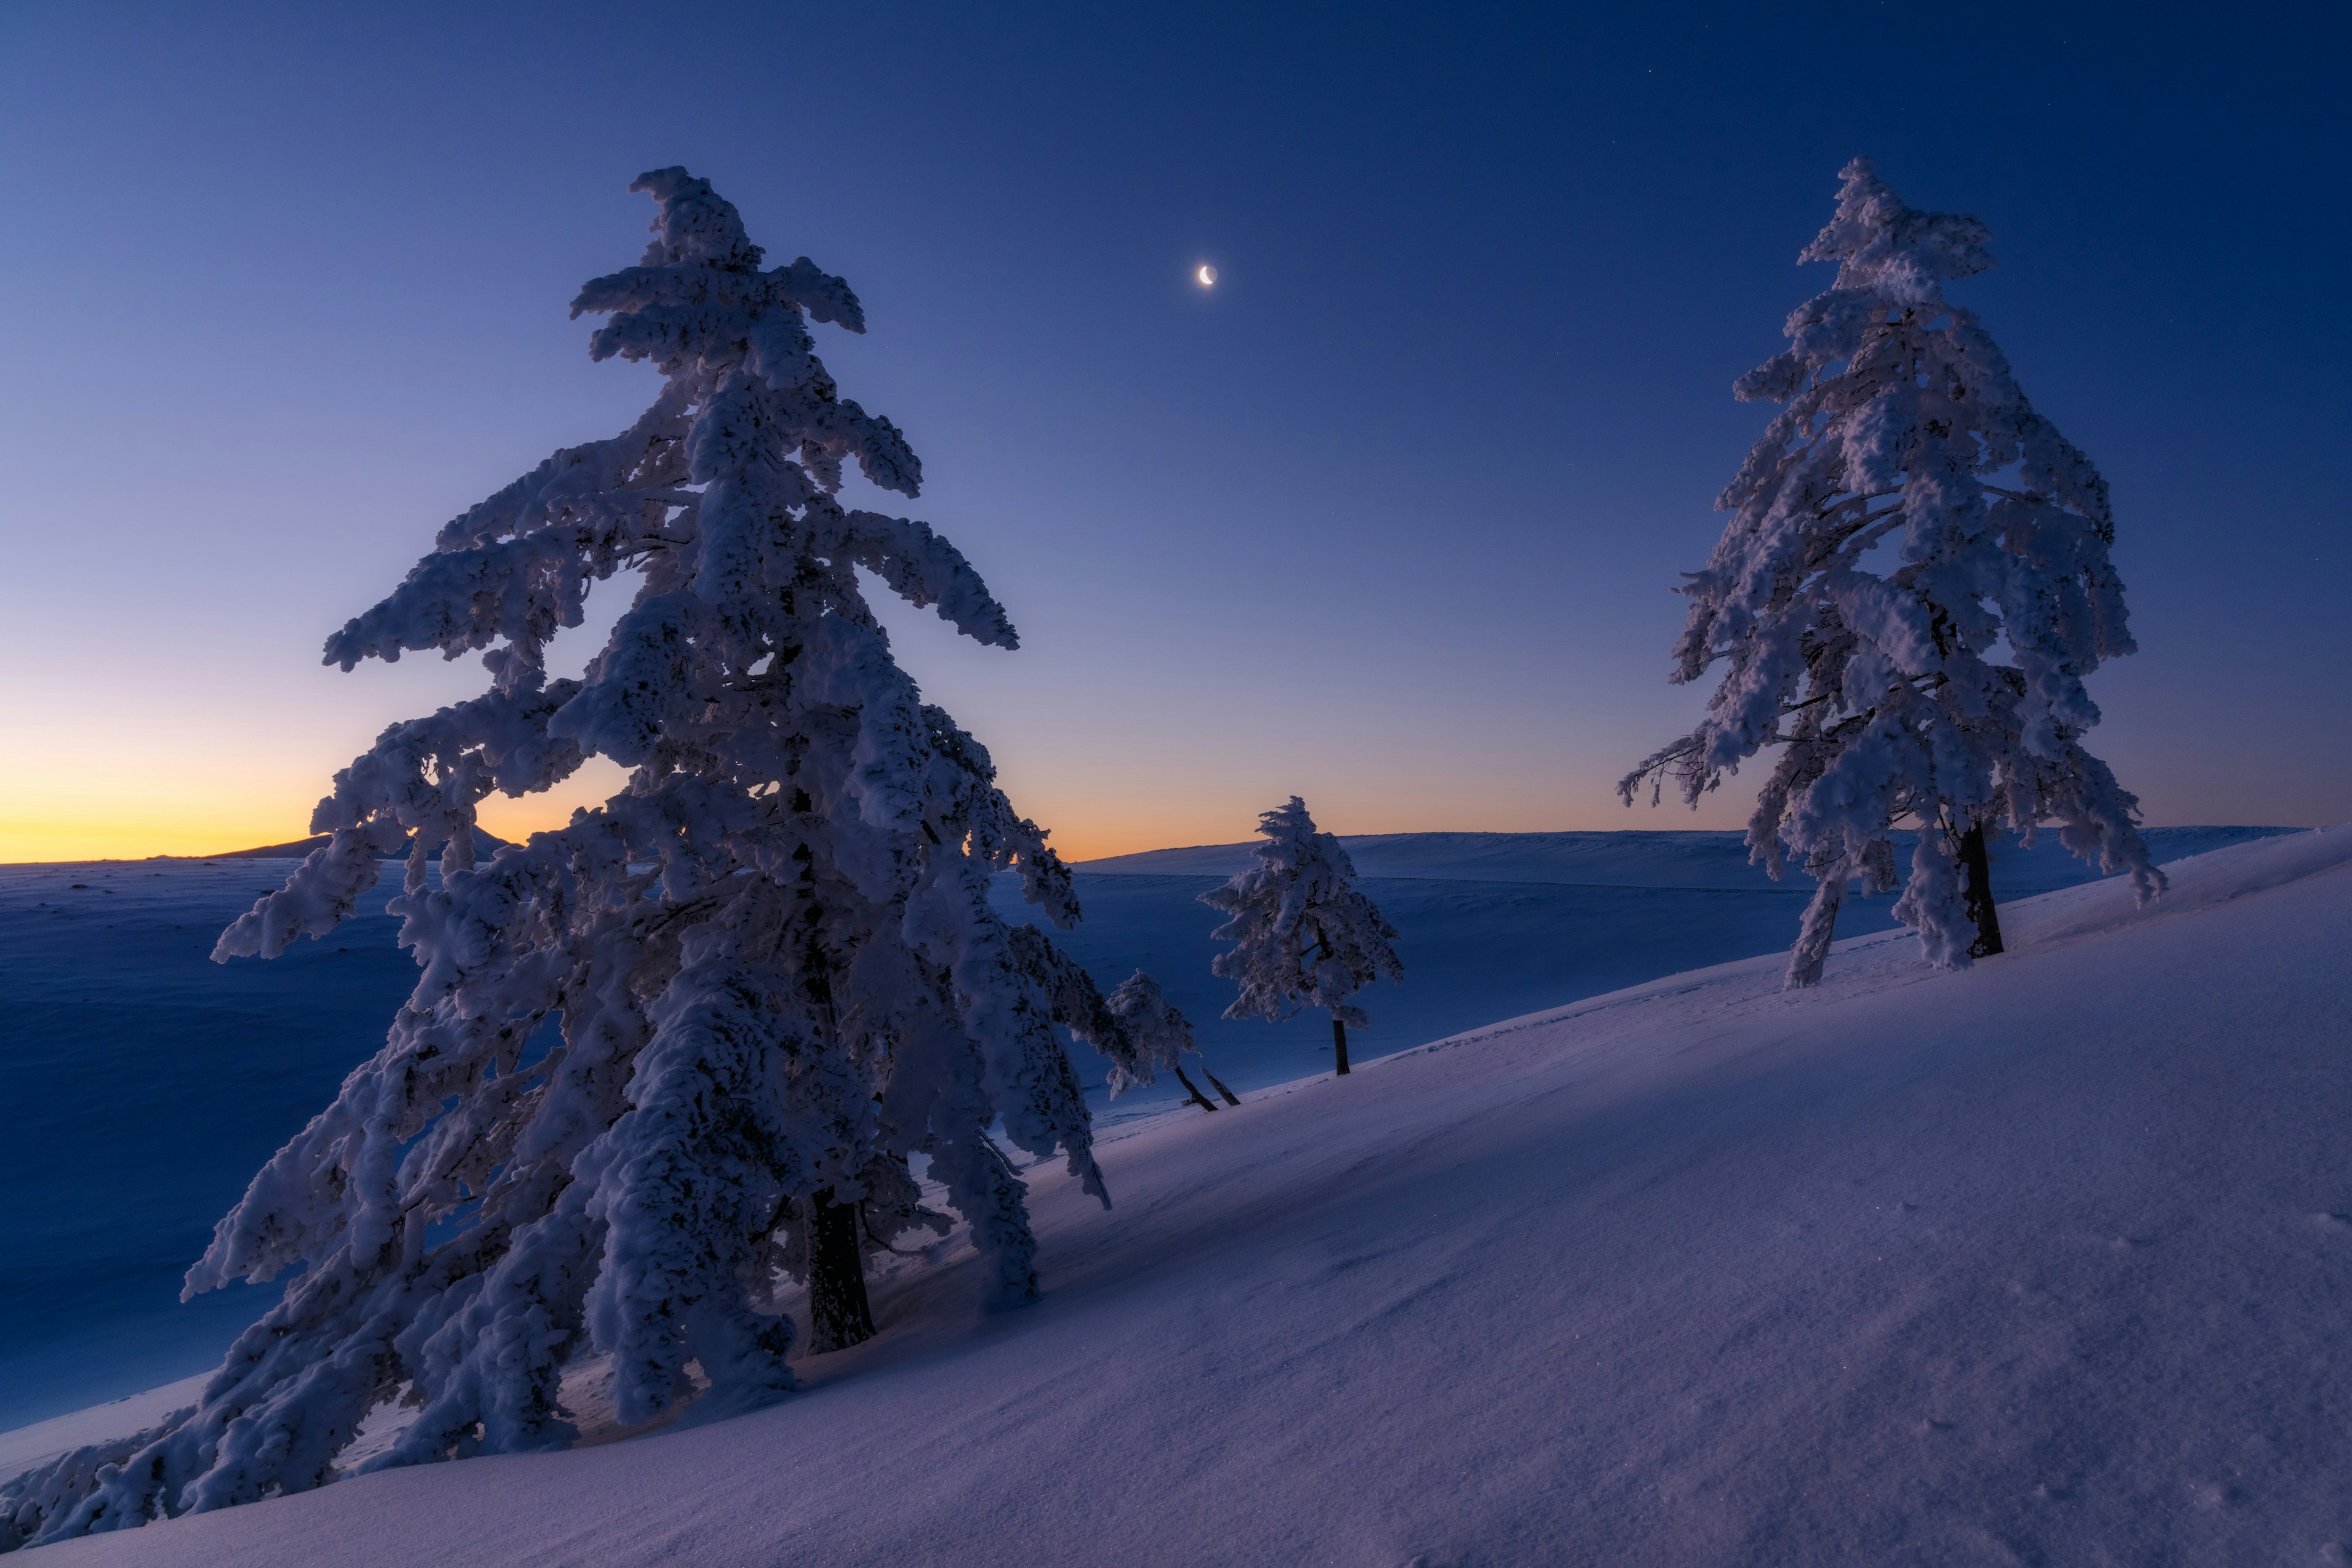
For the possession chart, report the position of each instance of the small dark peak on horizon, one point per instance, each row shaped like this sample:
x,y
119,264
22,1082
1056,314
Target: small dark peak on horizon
x,y
485,846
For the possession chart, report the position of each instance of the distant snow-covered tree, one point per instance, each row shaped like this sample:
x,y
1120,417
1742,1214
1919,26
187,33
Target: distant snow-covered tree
x,y
778,979
1161,1036
1304,935
1945,686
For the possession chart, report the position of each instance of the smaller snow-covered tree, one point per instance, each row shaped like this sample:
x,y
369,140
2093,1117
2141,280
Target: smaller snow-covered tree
x,y
1946,686
1159,1035
1304,935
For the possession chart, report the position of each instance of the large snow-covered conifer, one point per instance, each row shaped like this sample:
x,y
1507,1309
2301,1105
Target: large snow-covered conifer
x,y
768,964
1944,686
1305,935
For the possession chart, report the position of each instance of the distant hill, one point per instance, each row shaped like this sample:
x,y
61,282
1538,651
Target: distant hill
x,y
1637,858
485,846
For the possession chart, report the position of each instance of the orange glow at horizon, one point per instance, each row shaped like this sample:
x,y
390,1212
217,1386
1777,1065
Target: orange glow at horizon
x,y
86,818
98,834
94,819
118,825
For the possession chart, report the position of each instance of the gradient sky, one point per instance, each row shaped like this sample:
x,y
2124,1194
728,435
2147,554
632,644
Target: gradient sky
x,y
1390,519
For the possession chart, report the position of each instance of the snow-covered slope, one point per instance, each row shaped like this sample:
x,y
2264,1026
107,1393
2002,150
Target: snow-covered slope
x,y
27,1447
2040,1262
145,1085
151,1083
1637,860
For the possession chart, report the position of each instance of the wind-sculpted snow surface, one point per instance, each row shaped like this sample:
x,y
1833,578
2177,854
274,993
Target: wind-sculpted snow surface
x,y
1904,427
2042,1262
777,973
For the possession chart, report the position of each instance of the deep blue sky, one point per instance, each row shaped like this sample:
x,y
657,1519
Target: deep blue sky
x,y
1389,519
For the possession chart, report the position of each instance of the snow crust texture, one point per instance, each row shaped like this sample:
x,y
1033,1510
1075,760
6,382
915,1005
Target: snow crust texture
x,y
2040,1262
773,956
1882,683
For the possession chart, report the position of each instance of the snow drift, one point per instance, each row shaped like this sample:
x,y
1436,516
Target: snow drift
x,y
2039,1262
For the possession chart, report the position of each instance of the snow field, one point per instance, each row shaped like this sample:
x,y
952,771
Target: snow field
x,y
154,1082
27,1447
2043,1261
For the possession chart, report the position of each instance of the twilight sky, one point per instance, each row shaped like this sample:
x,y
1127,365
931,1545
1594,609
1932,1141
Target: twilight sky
x,y
1389,520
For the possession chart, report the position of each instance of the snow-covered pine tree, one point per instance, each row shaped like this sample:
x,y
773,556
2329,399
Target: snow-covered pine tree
x,y
1885,687
776,972
1160,1037
1305,936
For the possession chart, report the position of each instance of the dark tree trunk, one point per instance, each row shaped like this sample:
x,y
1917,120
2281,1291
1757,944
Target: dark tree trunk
x,y
1203,1100
1229,1097
839,1314
1976,890
1339,1045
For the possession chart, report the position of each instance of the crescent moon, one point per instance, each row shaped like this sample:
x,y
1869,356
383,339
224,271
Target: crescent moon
x,y
1207,275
